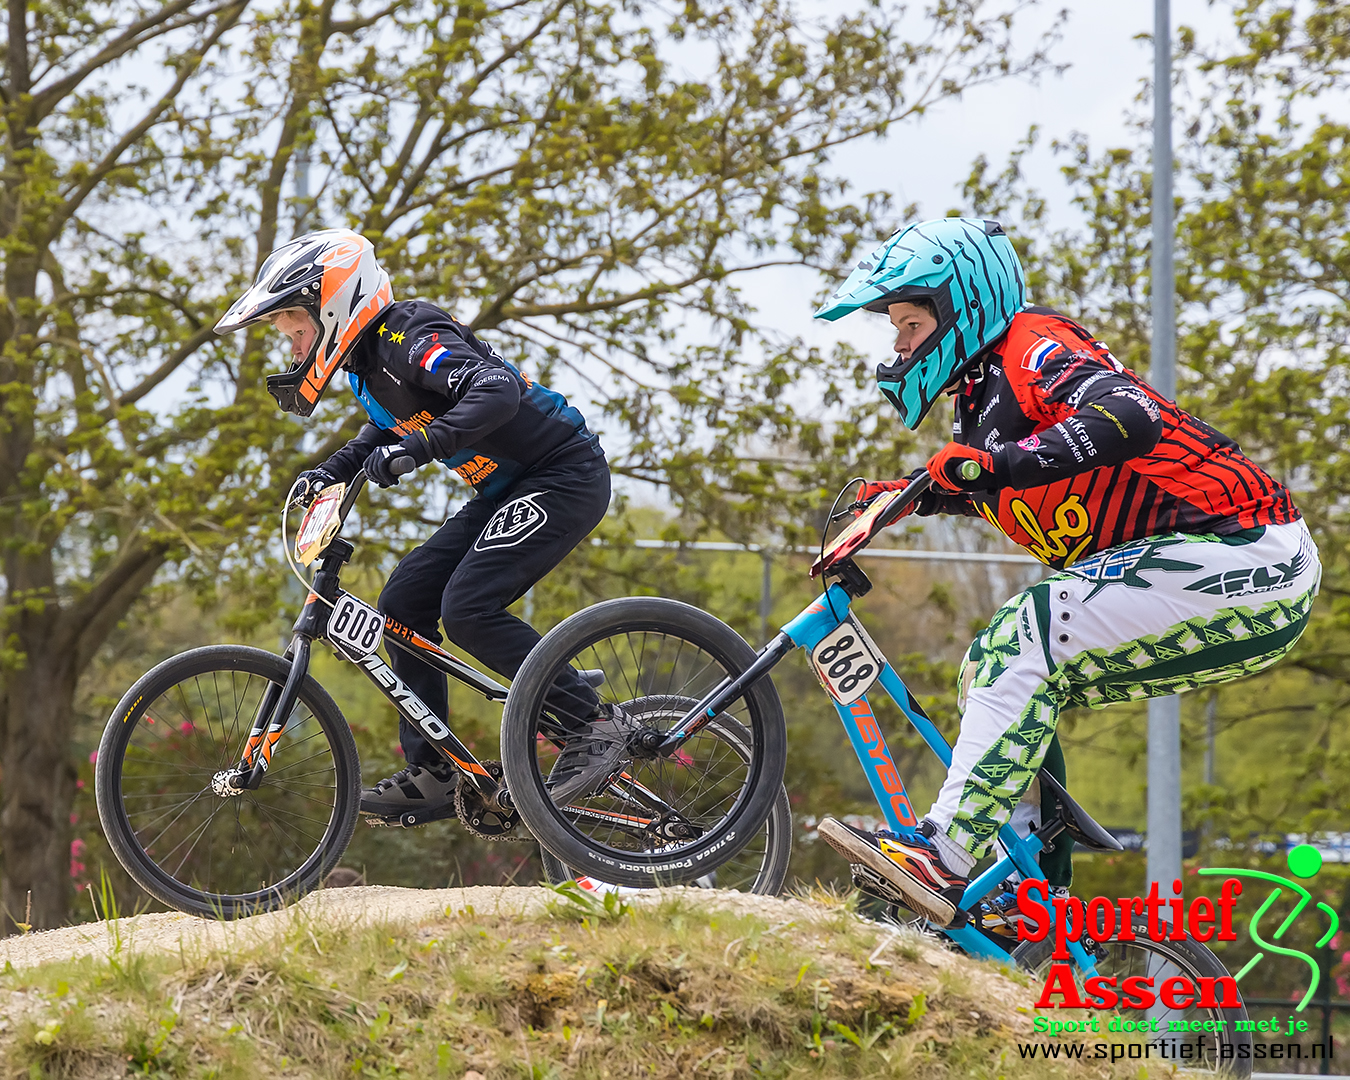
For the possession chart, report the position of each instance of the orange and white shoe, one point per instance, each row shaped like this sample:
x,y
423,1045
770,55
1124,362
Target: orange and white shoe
x,y
912,866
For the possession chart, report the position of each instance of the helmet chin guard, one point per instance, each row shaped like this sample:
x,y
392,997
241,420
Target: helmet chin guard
x,y
334,277
968,269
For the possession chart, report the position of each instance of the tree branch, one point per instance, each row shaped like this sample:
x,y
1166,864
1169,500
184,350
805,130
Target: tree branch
x,y
133,37
112,159
176,359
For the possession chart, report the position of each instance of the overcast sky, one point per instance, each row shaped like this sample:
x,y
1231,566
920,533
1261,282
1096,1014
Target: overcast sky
x,y
925,162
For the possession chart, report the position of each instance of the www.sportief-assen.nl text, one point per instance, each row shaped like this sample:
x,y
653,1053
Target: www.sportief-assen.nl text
x,y
1178,1051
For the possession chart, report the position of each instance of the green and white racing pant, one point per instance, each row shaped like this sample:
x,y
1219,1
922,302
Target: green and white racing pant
x,y
1154,617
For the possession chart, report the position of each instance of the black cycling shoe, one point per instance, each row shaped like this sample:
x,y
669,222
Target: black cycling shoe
x,y
412,796
589,757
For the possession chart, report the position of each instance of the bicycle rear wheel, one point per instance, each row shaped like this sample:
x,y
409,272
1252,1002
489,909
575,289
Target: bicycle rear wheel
x,y
663,819
205,848
1227,1050
759,867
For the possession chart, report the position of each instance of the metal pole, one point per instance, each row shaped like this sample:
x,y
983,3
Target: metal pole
x,y
1164,714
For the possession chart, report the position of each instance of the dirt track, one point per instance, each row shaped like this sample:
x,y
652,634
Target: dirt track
x,y
376,903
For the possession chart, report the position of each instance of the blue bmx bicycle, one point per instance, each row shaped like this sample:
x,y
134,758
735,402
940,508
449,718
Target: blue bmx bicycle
x,y
673,669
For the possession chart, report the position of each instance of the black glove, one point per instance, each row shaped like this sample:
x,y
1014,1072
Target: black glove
x,y
310,483
387,463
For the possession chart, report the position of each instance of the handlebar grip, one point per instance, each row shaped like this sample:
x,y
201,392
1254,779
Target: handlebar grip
x,y
970,470
401,465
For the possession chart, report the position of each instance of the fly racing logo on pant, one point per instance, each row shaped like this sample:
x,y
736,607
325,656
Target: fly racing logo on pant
x,y
516,521
1252,580
1126,565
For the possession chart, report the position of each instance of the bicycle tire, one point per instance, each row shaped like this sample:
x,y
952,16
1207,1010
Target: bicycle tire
x,y
674,863
763,876
239,878
1190,958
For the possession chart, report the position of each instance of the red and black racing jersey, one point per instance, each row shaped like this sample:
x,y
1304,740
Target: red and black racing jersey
x,y
1089,456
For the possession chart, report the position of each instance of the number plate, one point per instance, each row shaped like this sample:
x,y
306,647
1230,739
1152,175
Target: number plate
x,y
847,662
355,627
320,525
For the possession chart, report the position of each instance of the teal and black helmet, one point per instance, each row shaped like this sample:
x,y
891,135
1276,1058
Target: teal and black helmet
x,y
968,269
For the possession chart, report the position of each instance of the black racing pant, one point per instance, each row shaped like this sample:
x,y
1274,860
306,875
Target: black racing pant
x,y
481,560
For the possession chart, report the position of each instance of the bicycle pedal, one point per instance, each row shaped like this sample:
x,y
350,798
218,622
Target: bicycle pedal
x,y
869,881
411,819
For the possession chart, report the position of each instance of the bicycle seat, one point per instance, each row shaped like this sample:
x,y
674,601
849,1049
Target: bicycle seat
x,y
593,677
1078,822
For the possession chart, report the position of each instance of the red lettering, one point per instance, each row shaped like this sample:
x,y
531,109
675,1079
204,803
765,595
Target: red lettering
x,y
1063,931
1178,985
1102,924
903,810
1230,993
890,779
1129,907
866,723
1178,922
1060,981
1032,911
1138,992
1232,889
1101,991
1200,918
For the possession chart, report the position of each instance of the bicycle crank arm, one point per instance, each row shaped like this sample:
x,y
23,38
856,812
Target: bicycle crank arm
x,y
725,693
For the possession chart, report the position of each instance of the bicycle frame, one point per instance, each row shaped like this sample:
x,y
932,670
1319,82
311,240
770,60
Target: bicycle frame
x,y
811,626
312,623
807,630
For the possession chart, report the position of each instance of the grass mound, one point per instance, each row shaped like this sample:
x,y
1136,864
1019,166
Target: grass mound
x,y
677,987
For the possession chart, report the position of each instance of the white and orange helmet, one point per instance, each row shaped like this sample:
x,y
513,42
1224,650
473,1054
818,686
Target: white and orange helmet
x,y
331,274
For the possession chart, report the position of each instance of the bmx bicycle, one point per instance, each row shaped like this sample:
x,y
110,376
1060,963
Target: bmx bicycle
x,y
228,782
643,645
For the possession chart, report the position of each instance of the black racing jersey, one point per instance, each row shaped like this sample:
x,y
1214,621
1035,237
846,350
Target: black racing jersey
x,y
1088,456
419,371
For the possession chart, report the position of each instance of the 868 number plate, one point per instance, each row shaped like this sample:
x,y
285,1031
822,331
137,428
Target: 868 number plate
x,y
355,627
847,661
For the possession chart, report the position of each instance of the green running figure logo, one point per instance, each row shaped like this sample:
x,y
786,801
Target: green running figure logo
x,y
1304,862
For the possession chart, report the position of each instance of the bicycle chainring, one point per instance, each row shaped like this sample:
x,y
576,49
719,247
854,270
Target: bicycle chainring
x,y
488,822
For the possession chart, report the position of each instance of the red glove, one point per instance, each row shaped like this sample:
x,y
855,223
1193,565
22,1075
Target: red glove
x,y
872,488
956,469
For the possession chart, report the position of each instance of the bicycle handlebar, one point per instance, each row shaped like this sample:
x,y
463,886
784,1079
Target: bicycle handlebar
x,y
399,467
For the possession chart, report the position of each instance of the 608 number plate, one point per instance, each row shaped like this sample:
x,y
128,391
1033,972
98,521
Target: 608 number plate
x,y
847,661
355,627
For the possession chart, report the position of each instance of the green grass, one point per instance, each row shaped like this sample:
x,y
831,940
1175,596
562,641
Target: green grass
x,y
584,991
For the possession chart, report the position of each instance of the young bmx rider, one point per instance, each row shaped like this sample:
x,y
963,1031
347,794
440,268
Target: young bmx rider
x,y
433,390
1182,563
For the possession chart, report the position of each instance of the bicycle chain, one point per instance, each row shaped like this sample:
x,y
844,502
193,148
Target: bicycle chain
x,y
486,822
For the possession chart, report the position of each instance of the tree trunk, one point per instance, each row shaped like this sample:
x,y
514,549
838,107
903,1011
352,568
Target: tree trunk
x,y
38,788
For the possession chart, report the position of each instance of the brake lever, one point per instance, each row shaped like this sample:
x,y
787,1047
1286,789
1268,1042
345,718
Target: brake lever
x,y
853,509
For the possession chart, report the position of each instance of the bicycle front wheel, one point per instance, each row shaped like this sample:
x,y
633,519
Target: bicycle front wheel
x,y
203,847
1226,1050
760,867
661,818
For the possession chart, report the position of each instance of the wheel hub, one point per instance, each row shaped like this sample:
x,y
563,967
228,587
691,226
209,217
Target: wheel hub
x,y
225,784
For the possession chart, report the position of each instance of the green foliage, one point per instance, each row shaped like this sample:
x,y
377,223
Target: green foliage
x,y
670,991
553,172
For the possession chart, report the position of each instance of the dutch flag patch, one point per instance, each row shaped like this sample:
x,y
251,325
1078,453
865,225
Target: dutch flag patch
x,y
431,359
1041,351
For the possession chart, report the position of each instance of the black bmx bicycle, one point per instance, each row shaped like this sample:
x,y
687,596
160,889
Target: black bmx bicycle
x,y
228,781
